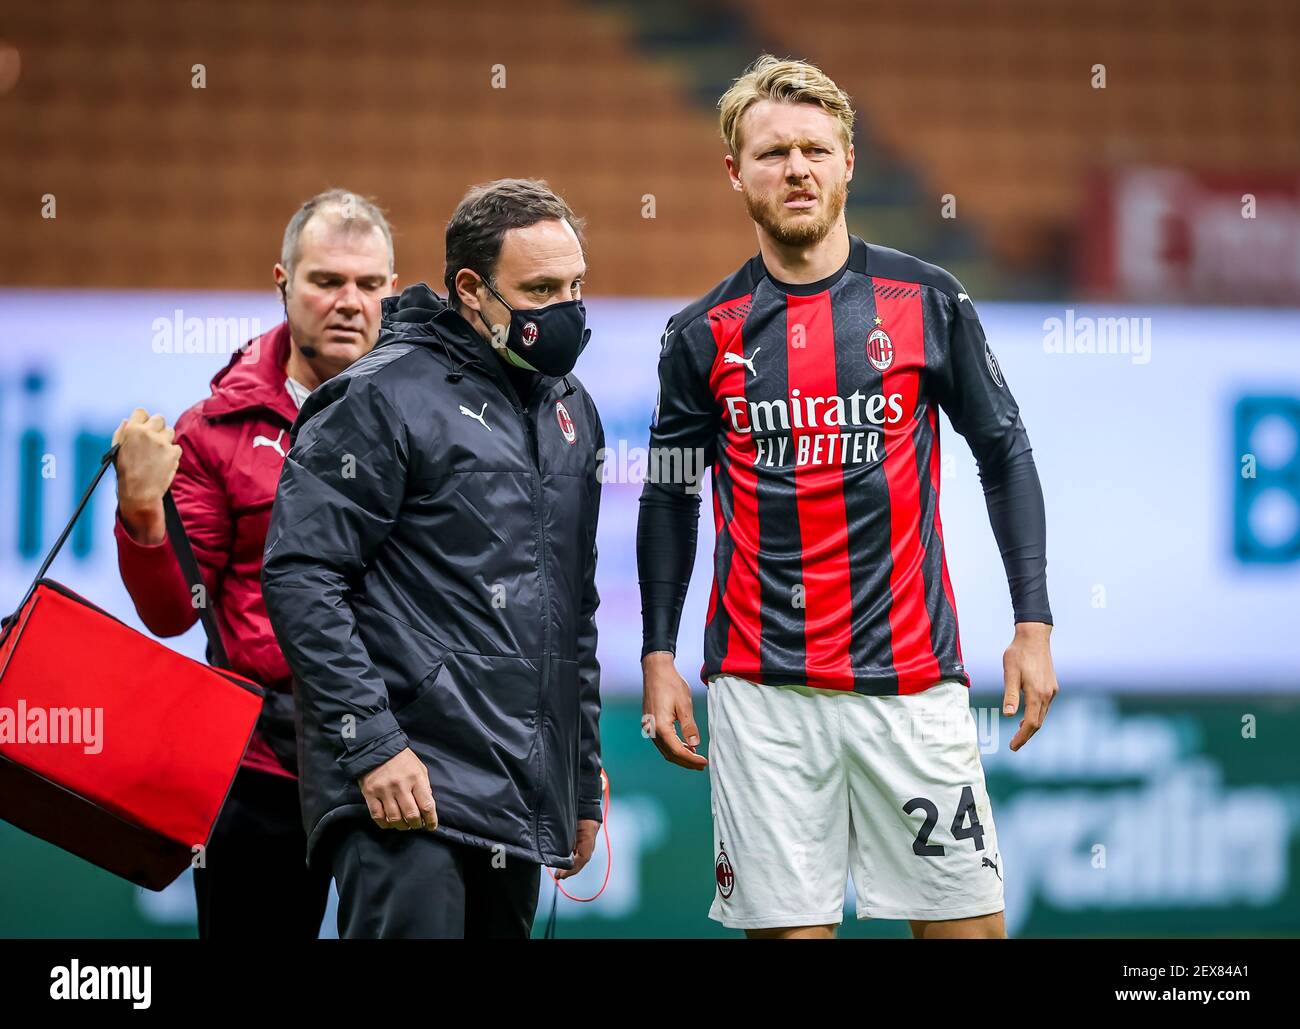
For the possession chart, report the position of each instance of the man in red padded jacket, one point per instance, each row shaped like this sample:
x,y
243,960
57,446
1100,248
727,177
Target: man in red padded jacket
x,y
222,463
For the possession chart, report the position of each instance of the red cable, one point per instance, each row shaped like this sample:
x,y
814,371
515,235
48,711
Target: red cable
x,y
609,864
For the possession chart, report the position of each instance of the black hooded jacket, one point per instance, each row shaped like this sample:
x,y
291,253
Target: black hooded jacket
x,y
430,575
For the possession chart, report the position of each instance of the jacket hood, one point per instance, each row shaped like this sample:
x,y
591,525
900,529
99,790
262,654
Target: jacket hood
x,y
415,304
255,377
419,315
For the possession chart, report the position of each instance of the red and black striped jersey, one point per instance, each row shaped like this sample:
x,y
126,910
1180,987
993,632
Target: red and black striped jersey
x,y
815,407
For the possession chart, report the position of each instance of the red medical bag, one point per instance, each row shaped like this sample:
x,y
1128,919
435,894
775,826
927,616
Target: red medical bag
x,y
117,748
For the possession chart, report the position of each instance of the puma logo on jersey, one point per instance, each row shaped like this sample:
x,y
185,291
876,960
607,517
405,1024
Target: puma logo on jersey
x,y
961,297
986,863
274,444
477,417
748,362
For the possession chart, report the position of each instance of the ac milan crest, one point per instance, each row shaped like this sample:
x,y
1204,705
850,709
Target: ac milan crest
x,y
723,871
566,423
880,350
529,333
994,369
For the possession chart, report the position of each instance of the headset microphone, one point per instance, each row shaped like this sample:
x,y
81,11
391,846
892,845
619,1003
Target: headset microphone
x,y
306,349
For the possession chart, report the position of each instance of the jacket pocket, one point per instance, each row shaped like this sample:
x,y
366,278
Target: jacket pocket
x,y
406,658
417,694
474,723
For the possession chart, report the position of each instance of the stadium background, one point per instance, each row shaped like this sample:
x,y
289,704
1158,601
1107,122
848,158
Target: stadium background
x,y
1117,185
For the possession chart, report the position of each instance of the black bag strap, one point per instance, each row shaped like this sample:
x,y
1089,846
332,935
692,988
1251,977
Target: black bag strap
x,y
180,542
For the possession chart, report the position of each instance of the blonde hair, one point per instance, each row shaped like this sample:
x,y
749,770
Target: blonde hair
x,y
786,81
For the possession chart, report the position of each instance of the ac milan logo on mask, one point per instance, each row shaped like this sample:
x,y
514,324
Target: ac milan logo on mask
x,y
722,869
529,333
566,423
880,350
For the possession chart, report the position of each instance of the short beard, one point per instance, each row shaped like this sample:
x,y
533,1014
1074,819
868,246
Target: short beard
x,y
766,210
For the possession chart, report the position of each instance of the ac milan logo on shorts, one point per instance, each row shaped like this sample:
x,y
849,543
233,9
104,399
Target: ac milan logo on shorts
x,y
726,877
880,350
566,423
529,333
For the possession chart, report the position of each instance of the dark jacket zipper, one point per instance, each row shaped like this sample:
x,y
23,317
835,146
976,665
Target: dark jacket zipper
x,y
528,419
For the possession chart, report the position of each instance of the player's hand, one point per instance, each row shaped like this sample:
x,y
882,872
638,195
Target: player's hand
x,y
146,466
582,850
398,794
667,701
1027,669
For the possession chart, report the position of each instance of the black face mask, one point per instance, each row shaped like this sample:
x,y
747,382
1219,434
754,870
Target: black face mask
x,y
544,339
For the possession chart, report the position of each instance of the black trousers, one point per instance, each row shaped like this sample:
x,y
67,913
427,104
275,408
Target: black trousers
x,y
256,884
415,884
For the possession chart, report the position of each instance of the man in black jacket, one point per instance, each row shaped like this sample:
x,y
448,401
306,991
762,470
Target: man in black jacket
x,y
430,574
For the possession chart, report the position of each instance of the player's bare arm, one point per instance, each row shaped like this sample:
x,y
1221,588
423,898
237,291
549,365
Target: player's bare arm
x,y
665,705
1027,672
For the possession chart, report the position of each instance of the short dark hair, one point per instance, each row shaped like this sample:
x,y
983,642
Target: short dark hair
x,y
352,211
490,210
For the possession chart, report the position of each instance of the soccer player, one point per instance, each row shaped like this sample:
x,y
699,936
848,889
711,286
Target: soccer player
x,y
222,462
841,738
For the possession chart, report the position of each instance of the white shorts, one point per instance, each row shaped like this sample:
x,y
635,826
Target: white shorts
x,y
809,785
